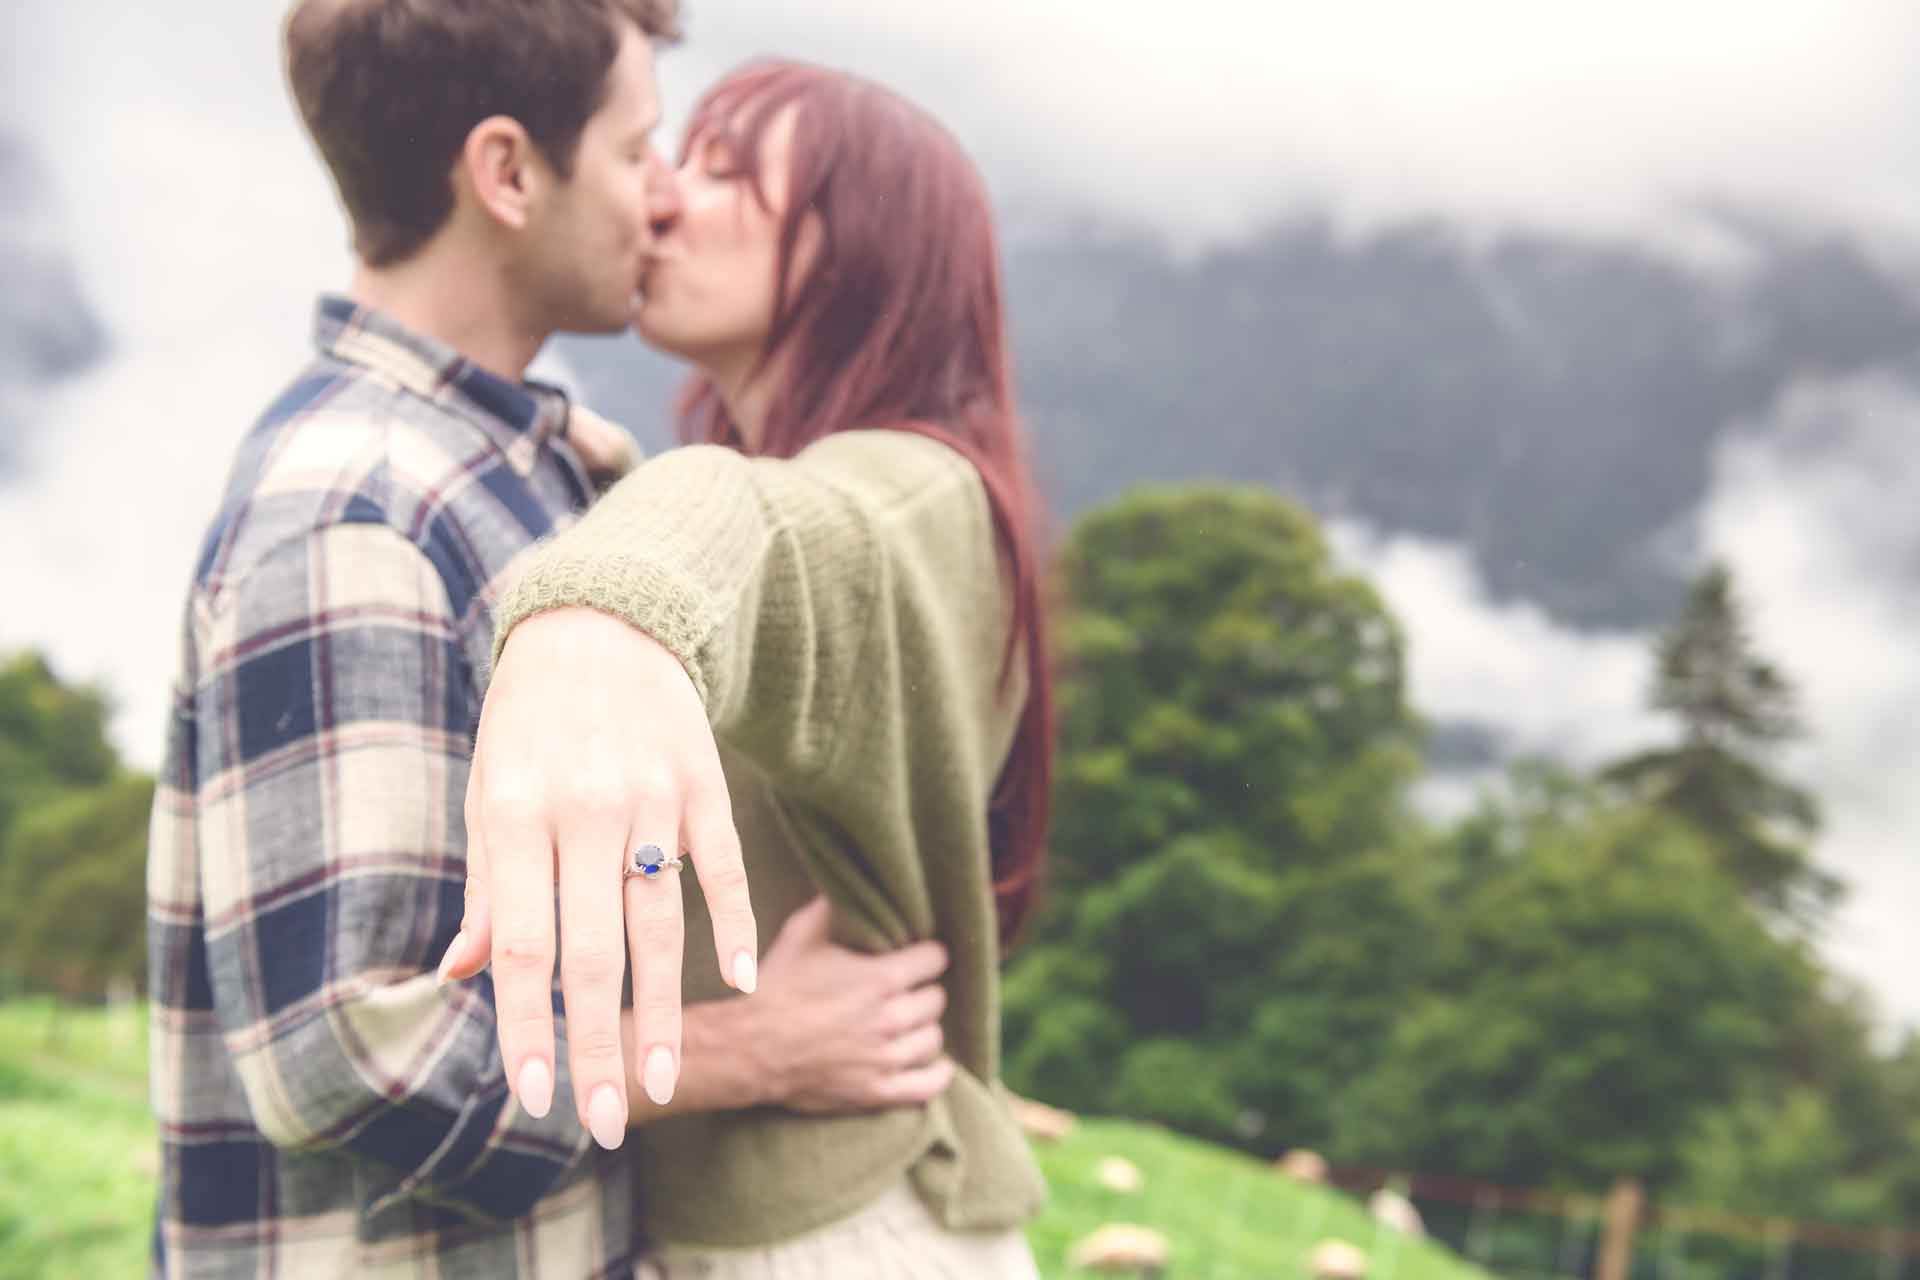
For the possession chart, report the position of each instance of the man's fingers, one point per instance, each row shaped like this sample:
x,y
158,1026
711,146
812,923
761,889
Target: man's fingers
x,y
593,961
923,1006
520,867
911,1087
913,965
917,1048
656,935
715,848
807,926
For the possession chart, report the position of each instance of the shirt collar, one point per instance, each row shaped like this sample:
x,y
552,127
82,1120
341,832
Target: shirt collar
x,y
523,418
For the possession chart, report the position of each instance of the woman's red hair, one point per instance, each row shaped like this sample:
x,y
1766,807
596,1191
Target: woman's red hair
x,y
898,321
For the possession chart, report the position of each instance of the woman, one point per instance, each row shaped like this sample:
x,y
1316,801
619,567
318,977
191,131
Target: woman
x,y
834,595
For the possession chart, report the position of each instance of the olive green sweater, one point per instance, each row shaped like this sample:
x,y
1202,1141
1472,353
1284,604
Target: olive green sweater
x,y
843,615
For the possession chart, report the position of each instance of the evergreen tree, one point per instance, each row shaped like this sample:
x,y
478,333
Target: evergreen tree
x,y
1735,708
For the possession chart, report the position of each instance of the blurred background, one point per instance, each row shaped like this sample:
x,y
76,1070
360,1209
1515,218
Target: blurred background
x,y
1481,441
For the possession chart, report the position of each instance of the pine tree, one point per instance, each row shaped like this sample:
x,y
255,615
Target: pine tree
x,y
1735,709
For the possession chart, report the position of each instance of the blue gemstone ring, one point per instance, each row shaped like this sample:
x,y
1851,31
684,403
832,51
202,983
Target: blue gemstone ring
x,y
650,860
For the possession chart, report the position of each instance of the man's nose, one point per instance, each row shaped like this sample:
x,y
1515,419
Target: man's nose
x,y
663,192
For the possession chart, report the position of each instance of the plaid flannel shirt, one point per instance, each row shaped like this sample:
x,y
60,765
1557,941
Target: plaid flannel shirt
x,y
325,1108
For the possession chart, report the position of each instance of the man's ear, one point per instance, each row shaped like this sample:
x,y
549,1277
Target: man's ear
x,y
502,170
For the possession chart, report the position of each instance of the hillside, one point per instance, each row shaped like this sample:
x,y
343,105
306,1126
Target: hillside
x,y
77,1170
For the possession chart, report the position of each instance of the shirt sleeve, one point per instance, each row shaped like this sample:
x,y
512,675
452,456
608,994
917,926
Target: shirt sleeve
x,y
335,705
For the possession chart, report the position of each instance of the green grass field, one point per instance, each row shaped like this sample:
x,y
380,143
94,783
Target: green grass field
x,y
1229,1217
77,1171
76,1143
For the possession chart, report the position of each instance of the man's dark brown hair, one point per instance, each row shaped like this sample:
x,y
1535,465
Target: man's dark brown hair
x,y
390,89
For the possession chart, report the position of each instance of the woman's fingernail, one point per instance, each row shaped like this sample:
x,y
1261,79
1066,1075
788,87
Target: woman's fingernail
x,y
536,1088
745,976
453,952
660,1074
606,1118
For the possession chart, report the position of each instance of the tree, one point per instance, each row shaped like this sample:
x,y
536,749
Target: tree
x,y
1782,1154
1734,707
52,736
1596,993
1227,924
73,838
75,884
1219,674
1597,989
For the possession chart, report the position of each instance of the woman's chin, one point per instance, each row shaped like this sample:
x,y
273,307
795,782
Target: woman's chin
x,y
652,334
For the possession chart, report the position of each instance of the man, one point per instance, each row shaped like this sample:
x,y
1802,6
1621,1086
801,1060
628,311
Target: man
x,y
327,1107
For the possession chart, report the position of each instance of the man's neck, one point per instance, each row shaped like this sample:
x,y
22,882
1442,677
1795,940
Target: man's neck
x,y
469,309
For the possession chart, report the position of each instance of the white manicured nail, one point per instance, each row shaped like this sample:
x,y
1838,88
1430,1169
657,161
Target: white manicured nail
x,y
536,1088
745,976
606,1118
660,1075
453,950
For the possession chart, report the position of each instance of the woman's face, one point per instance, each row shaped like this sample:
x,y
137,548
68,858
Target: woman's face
x,y
709,291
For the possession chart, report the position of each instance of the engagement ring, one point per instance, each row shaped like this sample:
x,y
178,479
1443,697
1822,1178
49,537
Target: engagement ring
x,y
650,860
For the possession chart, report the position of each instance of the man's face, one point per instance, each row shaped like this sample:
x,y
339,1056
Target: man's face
x,y
588,246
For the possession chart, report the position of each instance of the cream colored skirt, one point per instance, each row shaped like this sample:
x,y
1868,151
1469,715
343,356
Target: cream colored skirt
x,y
894,1238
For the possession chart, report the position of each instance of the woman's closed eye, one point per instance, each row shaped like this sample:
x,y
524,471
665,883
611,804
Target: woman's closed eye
x,y
716,159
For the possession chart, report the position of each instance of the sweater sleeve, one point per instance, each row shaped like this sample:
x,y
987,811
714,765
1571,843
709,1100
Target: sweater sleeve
x,y
768,579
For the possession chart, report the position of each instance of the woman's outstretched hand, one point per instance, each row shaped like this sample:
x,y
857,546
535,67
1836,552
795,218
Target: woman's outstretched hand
x,y
593,743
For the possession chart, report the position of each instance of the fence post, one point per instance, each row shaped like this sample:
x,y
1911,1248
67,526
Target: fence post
x,y
1673,1245
1782,1266
1573,1238
121,1028
1480,1227
1623,1216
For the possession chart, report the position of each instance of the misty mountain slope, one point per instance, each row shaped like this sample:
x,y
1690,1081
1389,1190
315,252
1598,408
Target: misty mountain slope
x,y
1552,403
47,329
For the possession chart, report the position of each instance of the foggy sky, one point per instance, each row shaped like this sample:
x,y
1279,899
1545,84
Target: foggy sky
x,y
199,226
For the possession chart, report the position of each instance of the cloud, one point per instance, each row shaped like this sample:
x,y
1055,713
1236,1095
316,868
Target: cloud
x,y
1210,117
1813,508
47,330
201,227
1815,511
1578,697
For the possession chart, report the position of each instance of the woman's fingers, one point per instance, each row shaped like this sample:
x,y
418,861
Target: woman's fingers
x,y
472,947
520,864
656,935
593,954
714,846
637,716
